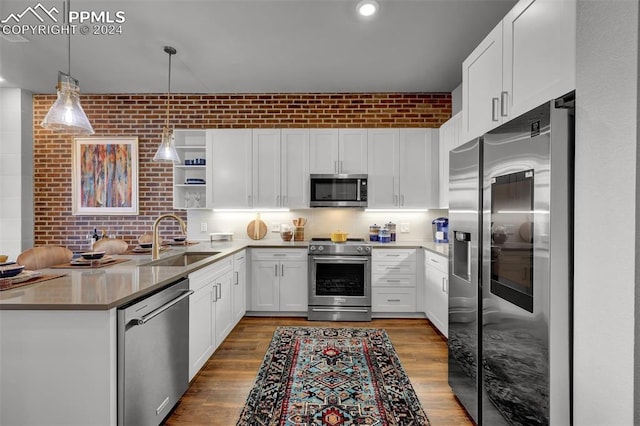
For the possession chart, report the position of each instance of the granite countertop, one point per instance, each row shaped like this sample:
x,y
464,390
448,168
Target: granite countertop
x,y
116,285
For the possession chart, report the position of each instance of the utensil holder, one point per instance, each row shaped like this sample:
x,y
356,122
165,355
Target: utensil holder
x,y
298,234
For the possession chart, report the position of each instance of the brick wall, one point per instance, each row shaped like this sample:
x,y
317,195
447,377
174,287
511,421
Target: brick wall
x,y
143,115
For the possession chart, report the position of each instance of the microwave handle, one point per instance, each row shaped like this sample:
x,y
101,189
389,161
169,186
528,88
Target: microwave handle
x,y
358,192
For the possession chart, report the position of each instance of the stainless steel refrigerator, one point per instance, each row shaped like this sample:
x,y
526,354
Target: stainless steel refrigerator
x,y
510,270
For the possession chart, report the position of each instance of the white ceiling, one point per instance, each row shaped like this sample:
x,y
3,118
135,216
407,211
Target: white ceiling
x,y
227,46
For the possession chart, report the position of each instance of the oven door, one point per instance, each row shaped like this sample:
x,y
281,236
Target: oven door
x,y
340,281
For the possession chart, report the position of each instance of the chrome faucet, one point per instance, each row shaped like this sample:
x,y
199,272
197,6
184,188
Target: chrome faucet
x,y
155,250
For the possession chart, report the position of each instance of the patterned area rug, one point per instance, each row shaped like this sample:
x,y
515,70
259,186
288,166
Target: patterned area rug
x,y
334,377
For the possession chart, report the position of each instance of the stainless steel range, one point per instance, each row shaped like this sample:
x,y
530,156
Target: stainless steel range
x,y
339,280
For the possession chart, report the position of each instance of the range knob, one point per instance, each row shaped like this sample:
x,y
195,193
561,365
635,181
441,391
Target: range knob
x,y
312,248
367,249
320,248
359,249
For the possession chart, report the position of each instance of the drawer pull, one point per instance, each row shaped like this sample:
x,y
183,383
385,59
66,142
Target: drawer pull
x,y
393,300
393,268
393,281
279,254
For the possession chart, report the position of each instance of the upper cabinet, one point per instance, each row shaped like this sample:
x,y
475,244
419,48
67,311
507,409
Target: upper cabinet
x,y
280,168
338,151
294,173
403,168
450,138
190,190
230,167
526,60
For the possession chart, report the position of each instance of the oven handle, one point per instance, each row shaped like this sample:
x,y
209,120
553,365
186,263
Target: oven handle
x,y
341,259
339,310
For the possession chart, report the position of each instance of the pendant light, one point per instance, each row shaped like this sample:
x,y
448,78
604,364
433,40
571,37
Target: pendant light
x,y
66,113
167,149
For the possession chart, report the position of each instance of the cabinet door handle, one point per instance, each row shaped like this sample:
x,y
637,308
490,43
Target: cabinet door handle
x,y
445,287
341,168
494,109
218,291
250,200
282,269
277,200
284,200
335,166
504,97
395,199
276,269
215,293
236,278
402,200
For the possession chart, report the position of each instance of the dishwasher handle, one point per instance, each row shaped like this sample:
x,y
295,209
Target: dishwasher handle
x,y
161,309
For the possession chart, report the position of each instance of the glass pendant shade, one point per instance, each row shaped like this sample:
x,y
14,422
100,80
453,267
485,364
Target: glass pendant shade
x,y
66,113
167,149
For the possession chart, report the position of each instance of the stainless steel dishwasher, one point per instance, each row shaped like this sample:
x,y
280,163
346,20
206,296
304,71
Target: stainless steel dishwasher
x,y
153,355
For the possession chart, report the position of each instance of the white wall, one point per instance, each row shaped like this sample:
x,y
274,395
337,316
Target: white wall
x,y
320,221
16,171
606,217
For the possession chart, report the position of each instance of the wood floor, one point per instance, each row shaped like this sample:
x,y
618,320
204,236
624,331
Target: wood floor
x,y
218,392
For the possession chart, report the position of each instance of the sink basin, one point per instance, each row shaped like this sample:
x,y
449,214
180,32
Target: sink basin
x,y
182,259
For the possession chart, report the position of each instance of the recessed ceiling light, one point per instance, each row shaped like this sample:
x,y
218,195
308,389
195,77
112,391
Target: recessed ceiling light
x,y
367,7
1,79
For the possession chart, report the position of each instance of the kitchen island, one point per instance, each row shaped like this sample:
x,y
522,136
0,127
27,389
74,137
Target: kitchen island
x,y
58,338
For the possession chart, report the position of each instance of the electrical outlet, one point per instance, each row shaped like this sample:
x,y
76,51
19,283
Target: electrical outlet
x,y
404,227
203,227
275,228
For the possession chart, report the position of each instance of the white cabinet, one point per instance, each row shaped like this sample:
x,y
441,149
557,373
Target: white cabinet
x,y
201,324
266,167
338,151
239,296
230,167
450,138
527,59
393,280
191,147
279,280
223,299
437,291
539,53
209,311
280,168
403,168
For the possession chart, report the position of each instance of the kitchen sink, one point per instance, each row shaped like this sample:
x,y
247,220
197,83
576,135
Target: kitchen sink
x,y
182,259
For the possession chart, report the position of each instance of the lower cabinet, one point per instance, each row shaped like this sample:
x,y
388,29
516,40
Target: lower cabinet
x,y
393,280
279,280
437,291
239,299
210,311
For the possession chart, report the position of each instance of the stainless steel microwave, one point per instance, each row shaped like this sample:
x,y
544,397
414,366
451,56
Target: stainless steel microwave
x,y
343,190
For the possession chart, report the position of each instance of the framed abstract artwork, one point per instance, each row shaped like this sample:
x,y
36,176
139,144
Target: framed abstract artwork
x,y
105,176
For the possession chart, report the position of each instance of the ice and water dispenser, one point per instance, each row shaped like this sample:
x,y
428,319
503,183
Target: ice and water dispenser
x,y
462,255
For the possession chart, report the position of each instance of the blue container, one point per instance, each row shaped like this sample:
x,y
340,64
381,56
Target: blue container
x,y
384,236
440,230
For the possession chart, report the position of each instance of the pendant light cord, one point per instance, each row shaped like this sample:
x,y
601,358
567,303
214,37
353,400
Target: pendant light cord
x,y
69,36
170,51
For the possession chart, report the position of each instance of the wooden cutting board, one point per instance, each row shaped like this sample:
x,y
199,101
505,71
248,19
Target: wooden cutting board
x,y
256,229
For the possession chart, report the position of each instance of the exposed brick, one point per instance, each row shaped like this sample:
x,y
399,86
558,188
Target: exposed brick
x,y
143,116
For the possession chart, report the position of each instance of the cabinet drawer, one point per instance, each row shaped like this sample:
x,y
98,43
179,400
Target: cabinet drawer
x,y
393,268
393,280
437,261
393,255
210,272
278,254
391,299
